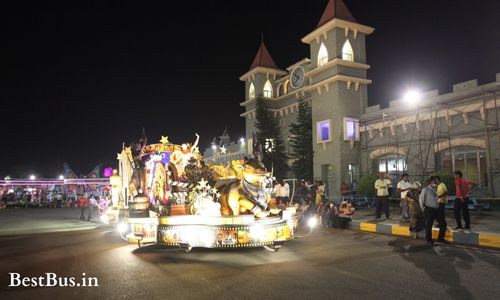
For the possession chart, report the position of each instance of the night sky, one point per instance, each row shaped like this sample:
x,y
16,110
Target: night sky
x,y
78,80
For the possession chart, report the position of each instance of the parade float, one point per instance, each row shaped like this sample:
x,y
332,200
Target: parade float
x,y
172,198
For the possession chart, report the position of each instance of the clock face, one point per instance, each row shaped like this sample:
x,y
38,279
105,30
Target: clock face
x,y
297,77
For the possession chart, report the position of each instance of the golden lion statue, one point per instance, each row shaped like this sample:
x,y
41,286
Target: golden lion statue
x,y
241,189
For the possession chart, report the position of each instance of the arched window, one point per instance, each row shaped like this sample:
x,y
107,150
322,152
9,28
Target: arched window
x,y
322,55
251,91
347,53
268,90
286,86
392,163
468,159
281,90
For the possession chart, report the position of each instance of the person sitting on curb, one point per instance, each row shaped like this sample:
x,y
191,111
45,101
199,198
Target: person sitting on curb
x,y
429,204
330,214
345,214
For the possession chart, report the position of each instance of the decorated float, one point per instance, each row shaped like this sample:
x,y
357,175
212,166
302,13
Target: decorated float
x,y
172,198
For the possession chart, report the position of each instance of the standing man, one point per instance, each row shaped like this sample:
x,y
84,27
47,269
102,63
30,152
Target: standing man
x,y
461,205
302,192
403,187
382,200
285,192
442,192
82,203
429,204
282,192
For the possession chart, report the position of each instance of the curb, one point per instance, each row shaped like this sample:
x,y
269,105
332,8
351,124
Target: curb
x,y
477,239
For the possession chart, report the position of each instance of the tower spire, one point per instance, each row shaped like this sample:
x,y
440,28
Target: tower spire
x,y
263,58
336,9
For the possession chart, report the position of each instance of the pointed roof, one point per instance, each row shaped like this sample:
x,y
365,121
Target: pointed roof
x,y
336,9
263,58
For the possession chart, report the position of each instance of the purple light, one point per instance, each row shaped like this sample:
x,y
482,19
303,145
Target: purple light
x,y
80,181
325,131
108,172
350,130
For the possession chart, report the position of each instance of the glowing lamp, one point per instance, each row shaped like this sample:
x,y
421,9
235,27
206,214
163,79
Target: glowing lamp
x,y
32,177
104,218
311,222
122,227
108,172
61,177
412,97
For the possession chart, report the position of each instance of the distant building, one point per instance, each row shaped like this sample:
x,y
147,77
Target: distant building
x,y
222,150
459,130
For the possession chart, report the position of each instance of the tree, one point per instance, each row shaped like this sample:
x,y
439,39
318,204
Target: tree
x,y
366,185
268,137
301,143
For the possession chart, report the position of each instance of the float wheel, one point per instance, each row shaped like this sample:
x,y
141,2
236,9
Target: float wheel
x,y
272,248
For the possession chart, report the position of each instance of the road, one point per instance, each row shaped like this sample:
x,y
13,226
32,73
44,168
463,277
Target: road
x,y
328,264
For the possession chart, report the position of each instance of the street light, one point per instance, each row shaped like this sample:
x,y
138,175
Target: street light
x,y
32,177
242,140
412,97
61,177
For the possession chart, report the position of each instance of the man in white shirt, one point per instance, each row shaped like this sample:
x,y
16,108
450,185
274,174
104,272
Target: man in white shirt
x,y
382,200
282,192
403,187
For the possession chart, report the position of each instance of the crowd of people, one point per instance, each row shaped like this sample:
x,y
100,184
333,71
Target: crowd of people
x,y
85,201
422,206
311,202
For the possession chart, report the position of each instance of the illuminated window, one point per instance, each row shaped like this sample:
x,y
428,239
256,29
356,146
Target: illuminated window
x,y
347,53
251,91
286,86
351,129
322,55
323,131
268,89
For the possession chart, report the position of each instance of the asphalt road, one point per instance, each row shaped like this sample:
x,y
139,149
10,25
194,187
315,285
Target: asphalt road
x,y
328,264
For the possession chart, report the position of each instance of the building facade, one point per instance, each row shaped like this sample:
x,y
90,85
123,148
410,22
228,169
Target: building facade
x,y
223,151
437,133
351,139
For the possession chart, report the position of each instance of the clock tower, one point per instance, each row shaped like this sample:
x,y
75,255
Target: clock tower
x,y
338,81
333,80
